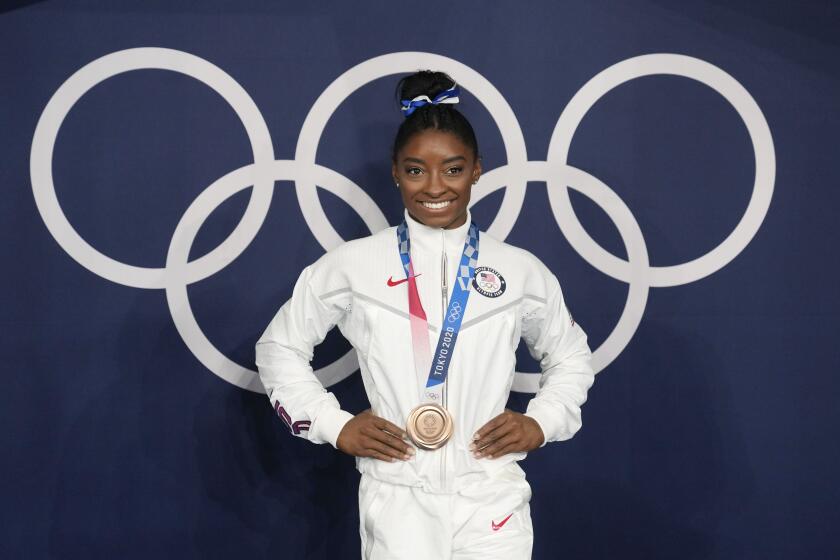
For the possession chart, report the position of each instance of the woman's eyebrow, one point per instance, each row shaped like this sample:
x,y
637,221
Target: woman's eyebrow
x,y
447,160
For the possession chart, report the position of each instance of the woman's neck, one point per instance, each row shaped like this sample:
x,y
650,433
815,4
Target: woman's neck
x,y
458,222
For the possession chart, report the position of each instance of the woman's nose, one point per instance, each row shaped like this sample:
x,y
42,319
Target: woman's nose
x,y
435,186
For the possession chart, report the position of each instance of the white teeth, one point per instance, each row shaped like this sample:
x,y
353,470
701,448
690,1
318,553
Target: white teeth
x,y
436,205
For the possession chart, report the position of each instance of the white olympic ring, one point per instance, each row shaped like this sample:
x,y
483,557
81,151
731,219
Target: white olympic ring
x,y
179,271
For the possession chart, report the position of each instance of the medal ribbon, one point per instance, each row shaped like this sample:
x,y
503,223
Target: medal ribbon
x,y
439,363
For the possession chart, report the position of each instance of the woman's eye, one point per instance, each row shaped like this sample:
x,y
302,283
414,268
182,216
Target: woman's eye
x,y
454,170
413,171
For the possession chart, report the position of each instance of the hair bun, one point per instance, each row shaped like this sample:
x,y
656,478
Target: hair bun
x,y
424,82
435,110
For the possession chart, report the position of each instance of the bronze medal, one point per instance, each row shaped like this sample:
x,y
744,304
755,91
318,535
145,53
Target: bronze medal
x,y
429,426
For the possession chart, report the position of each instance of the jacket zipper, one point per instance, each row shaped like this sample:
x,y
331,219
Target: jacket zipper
x,y
444,292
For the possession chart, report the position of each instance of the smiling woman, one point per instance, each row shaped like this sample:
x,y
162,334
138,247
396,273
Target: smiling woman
x,y
435,171
437,450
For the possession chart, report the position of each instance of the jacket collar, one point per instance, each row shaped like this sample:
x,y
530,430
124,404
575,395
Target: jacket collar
x,y
428,238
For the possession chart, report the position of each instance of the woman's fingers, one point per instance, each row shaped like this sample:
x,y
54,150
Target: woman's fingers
x,y
509,432
491,425
383,439
381,456
489,436
375,446
389,440
513,447
501,446
383,424
499,434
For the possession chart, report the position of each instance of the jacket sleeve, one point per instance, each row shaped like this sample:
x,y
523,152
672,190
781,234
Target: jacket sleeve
x,y
553,338
283,356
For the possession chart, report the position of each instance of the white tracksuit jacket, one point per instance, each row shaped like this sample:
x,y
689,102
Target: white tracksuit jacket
x,y
349,287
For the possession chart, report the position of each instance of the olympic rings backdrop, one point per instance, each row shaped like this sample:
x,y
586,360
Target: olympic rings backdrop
x,y
170,167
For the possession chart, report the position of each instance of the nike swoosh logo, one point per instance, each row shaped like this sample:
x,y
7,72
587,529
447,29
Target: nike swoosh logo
x,y
497,526
392,282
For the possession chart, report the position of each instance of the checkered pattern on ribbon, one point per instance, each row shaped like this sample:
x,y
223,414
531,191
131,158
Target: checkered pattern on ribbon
x,y
469,260
405,246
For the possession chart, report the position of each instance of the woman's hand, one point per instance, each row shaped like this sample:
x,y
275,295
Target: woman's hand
x,y
367,435
509,432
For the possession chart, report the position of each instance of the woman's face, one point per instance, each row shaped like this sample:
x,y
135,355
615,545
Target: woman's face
x,y
435,171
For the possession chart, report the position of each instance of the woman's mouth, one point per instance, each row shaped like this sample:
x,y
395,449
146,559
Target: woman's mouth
x,y
436,205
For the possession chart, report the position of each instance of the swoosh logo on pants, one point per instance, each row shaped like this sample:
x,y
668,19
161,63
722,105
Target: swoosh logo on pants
x,y
497,526
392,282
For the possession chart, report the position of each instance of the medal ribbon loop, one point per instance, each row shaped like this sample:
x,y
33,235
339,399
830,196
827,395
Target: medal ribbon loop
x,y
439,363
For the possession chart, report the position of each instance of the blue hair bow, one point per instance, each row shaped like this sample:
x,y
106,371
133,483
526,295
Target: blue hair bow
x,y
447,96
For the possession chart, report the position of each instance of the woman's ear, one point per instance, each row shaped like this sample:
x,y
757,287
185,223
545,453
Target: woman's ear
x,y
477,169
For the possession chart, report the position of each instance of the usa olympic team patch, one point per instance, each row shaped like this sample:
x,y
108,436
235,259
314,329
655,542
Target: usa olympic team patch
x,y
488,282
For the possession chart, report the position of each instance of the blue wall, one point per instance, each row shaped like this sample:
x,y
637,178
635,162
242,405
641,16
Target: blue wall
x,y
713,433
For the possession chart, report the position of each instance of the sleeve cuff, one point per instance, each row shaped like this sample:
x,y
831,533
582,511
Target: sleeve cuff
x,y
542,421
329,424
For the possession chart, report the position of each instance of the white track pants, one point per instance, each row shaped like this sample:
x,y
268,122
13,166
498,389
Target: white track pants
x,y
488,520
